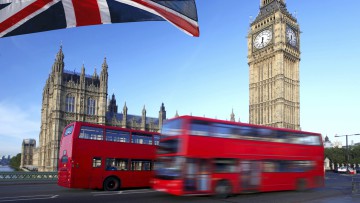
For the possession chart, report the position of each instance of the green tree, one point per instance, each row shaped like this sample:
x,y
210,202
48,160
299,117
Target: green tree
x,y
355,155
15,162
336,155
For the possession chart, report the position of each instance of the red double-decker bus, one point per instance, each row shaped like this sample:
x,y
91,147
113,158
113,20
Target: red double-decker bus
x,y
105,157
208,156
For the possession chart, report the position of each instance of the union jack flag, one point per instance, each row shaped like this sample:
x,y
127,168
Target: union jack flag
x,y
28,16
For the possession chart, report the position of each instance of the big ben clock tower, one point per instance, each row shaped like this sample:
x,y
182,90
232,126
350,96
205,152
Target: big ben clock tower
x,y
274,57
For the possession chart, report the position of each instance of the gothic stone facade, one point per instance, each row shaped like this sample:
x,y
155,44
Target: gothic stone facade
x,y
69,96
27,152
273,58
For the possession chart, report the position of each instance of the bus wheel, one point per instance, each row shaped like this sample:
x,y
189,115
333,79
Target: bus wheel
x,y
222,189
111,184
301,185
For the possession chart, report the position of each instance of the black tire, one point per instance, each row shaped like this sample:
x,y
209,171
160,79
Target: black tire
x,y
222,189
111,184
301,185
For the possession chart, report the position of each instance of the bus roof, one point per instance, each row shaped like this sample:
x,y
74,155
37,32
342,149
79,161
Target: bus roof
x,y
109,127
212,120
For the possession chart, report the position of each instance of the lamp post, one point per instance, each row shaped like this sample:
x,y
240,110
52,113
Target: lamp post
x,y
347,149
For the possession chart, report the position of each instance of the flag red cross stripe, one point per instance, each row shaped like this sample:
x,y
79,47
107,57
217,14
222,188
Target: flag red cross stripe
x,y
23,14
85,13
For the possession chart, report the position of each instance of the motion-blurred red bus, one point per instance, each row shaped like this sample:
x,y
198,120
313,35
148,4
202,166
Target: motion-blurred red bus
x,y
105,157
207,156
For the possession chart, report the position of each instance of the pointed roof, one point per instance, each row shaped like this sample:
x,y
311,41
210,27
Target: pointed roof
x,y
95,75
60,55
83,70
112,104
104,64
267,8
144,110
232,115
162,108
265,2
125,107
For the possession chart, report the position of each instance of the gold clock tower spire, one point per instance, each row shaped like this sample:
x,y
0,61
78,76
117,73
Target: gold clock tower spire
x,y
274,58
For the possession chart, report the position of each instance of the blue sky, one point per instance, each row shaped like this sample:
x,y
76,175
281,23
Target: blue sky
x,y
154,62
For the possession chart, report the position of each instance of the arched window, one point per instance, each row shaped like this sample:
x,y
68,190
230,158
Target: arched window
x,y
70,103
91,106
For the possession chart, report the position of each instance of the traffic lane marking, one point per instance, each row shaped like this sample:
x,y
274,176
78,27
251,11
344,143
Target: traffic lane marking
x,y
127,192
26,198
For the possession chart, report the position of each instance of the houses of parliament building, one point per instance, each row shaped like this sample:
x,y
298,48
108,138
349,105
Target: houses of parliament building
x,y
69,96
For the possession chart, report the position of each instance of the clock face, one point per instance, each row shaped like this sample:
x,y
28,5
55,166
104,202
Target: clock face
x,y
263,39
291,37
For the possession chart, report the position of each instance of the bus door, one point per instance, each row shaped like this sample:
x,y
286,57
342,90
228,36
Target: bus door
x,y
197,176
250,175
96,173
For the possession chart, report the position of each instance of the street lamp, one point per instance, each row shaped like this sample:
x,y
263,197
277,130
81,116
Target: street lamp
x,y
347,149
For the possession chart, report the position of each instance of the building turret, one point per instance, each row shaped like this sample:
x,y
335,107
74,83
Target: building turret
x,y
124,121
27,152
58,66
82,77
162,115
143,119
112,107
232,116
104,76
95,75
103,90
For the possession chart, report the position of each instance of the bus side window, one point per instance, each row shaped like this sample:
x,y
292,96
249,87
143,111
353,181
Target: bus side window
x,y
140,138
270,166
96,163
314,140
140,165
225,165
265,134
116,164
91,133
199,128
117,136
281,136
223,130
156,139
245,132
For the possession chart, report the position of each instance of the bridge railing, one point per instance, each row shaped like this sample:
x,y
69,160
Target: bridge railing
x,y
14,177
